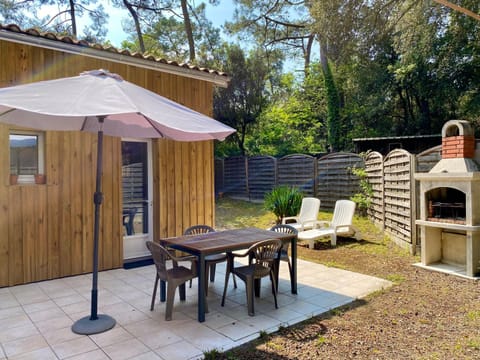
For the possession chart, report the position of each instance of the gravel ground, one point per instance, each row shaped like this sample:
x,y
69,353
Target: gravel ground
x,y
425,315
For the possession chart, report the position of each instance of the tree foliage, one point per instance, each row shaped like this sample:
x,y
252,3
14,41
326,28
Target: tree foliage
x,y
178,30
241,104
63,19
294,122
386,67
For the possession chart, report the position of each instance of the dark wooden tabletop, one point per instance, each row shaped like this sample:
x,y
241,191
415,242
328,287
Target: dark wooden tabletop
x,y
221,241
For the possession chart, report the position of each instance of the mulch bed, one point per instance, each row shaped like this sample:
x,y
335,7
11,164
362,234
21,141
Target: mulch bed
x,y
425,315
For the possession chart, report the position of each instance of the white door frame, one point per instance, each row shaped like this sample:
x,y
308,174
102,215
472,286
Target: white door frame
x,y
134,245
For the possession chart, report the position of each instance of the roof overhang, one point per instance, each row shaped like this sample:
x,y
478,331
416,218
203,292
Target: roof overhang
x,y
104,54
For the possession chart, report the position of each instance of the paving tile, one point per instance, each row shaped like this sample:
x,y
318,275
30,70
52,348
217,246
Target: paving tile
x,y
12,311
45,353
24,345
148,356
7,300
179,351
18,332
39,306
81,307
47,314
14,321
68,300
36,319
58,336
54,324
238,330
217,319
74,347
91,355
114,336
263,322
126,349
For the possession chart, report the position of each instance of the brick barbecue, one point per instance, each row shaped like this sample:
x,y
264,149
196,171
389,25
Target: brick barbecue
x,y
450,205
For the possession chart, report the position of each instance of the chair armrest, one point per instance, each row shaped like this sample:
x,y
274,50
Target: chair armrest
x,y
177,259
321,223
284,220
351,228
313,222
237,254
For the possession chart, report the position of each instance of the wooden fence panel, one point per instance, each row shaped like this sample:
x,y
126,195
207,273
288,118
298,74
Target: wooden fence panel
x,y
235,177
298,171
427,159
399,205
374,169
262,176
335,180
219,179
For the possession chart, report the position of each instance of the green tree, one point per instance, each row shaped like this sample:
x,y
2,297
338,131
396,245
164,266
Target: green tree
x,y
294,121
175,29
241,104
275,25
62,21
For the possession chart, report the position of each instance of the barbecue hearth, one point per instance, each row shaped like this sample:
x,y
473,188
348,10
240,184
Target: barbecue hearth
x,y
449,216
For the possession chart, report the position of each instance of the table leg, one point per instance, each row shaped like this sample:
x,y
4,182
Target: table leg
x,y
201,287
294,265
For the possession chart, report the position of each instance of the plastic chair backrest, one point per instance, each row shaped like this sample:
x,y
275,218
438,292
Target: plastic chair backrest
x,y
309,209
265,252
160,256
284,228
343,213
198,229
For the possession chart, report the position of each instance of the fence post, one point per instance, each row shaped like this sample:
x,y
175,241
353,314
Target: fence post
x,y
413,203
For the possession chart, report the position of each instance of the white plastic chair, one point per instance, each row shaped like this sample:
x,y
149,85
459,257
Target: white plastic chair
x,y
341,224
307,216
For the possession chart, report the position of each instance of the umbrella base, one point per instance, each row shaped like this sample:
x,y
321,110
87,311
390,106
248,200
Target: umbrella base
x,y
85,326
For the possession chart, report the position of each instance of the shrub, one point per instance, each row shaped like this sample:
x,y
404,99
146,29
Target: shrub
x,y
363,199
283,201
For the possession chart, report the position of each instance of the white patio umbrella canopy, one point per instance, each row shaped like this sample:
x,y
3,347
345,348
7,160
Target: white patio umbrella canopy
x,y
101,102
131,111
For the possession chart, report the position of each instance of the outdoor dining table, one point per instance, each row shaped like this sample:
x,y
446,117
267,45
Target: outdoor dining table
x,y
224,241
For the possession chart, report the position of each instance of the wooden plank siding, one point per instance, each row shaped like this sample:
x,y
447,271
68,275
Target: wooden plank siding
x,y
46,230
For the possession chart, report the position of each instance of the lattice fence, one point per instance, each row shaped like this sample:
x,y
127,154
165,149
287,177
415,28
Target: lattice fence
x,y
398,191
374,169
330,178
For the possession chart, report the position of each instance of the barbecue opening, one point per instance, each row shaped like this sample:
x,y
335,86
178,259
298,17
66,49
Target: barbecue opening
x,y
446,205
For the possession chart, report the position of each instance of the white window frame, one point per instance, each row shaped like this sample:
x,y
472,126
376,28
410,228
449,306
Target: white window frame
x,y
30,179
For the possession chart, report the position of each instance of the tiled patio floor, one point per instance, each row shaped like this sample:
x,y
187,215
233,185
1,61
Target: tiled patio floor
x,y
35,319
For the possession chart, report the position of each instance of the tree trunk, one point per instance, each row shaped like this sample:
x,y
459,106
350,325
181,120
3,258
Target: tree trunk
x,y
137,25
333,106
308,53
73,18
188,30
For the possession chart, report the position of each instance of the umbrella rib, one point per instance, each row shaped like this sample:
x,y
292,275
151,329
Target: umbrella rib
x,y
152,123
8,111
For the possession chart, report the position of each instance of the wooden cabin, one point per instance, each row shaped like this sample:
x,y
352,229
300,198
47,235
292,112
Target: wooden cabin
x,y
152,189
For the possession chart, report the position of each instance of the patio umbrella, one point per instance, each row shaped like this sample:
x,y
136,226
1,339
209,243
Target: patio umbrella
x,y
104,103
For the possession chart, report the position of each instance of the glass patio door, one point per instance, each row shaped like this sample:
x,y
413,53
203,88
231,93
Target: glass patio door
x,y
137,198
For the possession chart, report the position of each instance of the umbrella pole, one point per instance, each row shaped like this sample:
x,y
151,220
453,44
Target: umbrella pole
x,y
95,323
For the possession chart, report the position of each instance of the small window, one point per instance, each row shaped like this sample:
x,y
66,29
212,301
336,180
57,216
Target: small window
x,y
26,155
